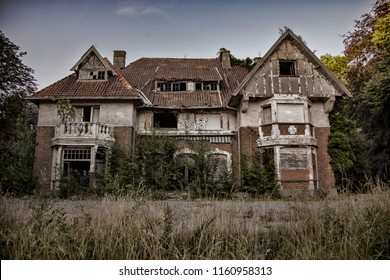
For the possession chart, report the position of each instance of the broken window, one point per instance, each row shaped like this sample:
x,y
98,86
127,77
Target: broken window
x,y
171,86
164,120
210,85
187,166
287,68
88,114
76,162
290,113
162,86
97,75
180,86
101,75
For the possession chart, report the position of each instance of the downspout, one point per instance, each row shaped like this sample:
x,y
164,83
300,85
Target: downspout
x,y
239,152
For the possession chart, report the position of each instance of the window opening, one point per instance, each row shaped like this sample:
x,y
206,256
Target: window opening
x,y
101,75
77,162
87,112
267,115
286,68
164,120
187,166
290,113
77,154
210,85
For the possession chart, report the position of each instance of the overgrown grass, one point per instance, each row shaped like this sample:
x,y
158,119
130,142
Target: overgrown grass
x,y
121,228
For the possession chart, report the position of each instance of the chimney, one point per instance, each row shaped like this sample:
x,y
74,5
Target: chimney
x,y
120,59
257,59
225,55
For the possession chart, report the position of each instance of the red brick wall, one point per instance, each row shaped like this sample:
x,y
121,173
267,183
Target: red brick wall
x,y
325,173
248,138
298,185
283,128
43,157
294,174
124,136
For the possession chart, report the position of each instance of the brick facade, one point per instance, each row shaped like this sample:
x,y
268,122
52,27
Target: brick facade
x,y
43,157
326,178
124,136
248,145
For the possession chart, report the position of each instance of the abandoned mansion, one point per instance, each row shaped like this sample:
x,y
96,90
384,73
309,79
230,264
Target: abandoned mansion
x,y
281,105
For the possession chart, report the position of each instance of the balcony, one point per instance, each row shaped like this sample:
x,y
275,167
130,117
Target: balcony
x,y
84,133
287,134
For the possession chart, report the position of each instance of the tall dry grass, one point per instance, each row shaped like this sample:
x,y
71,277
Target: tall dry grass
x,y
355,228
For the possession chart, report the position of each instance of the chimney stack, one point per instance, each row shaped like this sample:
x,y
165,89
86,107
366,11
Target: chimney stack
x,y
257,59
120,59
225,55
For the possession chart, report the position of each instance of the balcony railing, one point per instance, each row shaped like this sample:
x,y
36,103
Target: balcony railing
x,y
84,130
287,134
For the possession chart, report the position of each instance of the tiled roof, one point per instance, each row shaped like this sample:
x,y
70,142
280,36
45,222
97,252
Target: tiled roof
x,y
116,87
142,73
140,76
194,99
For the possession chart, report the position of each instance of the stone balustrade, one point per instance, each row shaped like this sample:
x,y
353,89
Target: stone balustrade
x,y
84,130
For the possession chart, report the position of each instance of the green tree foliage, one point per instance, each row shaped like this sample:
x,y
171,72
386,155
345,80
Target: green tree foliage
x,y
347,146
17,160
258,175
66,111
17,119
338,64
368,54
16,82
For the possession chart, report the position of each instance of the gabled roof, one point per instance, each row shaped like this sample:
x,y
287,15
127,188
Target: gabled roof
x,y
294,39
115,87
92,50
70,88
143,72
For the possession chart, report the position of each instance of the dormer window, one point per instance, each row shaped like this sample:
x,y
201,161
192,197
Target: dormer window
x,y
186,85
209,85
97,75
171,86
92,66
101,75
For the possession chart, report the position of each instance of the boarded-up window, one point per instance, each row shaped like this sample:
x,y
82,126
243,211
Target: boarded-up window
x,y
290,113
293,158
267,115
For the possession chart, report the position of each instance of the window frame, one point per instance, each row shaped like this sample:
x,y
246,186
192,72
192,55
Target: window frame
x,y
289,69
289,117
167,124
265,118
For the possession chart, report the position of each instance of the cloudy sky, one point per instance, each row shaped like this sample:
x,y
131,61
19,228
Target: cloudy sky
x,y
56,33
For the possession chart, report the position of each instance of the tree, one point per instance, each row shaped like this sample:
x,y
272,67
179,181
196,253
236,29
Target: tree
x,y
18,159
338,64
17,118
16,82
367,49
